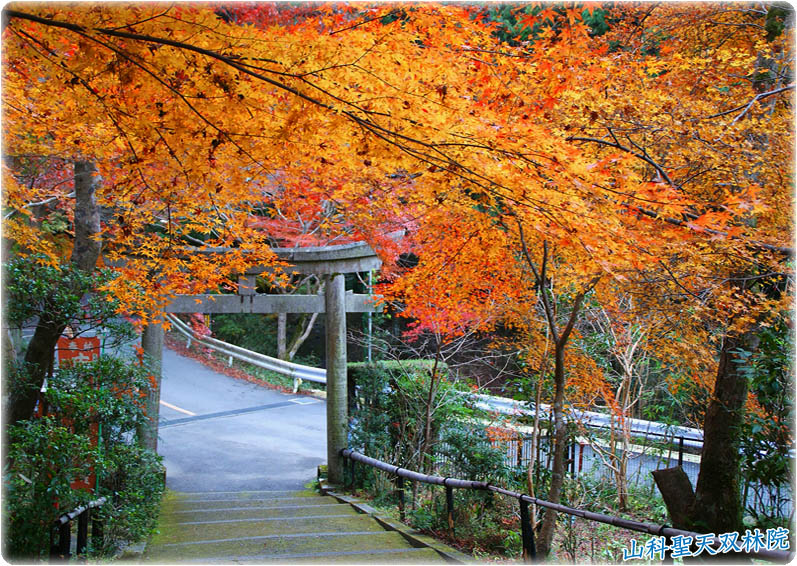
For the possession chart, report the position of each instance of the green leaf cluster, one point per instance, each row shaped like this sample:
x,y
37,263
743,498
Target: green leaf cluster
x,y
61,295
93,413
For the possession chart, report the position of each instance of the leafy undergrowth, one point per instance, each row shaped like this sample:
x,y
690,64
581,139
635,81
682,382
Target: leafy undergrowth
x,y
489,530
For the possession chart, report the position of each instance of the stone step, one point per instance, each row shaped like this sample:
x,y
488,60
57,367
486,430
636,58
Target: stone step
x,y
187,515
239,495
226,528
386,556
185,503
299,545
266,527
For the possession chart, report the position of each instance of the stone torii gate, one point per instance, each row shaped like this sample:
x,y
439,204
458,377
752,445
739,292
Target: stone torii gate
x,y
332,262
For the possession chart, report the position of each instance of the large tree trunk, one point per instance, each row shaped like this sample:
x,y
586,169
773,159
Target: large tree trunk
x,y
85,253
88,245
718,503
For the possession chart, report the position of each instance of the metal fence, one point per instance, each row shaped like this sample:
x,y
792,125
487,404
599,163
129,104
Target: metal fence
x,y
663,532
660,451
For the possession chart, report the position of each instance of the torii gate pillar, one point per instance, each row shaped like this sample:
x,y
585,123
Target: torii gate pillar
x,y
337,418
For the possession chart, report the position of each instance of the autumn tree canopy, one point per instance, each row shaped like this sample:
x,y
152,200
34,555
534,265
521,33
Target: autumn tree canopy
x,y
651,153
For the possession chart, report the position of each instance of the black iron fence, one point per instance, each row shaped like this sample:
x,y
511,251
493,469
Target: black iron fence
x,y
643,456
61,536
527,532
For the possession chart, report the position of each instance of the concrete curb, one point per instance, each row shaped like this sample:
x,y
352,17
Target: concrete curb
x,y
416,539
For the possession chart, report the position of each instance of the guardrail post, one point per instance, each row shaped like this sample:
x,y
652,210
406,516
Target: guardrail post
x,y
351,474
400,484
64,540
450,507
681,451
572,458
82,532
53,544
527,533
668,559
520,450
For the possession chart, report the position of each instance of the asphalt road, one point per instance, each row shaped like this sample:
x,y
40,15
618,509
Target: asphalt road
x,y
223,434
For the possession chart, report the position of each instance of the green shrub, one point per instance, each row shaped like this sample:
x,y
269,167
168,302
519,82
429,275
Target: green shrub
x,y
256,333
133,479
468,453
43,457
96,409
388,403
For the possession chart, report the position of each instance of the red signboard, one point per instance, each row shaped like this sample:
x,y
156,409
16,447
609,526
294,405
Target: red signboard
x,y
78,350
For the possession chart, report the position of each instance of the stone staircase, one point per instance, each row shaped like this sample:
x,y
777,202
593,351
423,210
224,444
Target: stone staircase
x,y
283,526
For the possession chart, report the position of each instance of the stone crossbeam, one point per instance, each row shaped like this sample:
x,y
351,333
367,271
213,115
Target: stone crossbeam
x,y
265,304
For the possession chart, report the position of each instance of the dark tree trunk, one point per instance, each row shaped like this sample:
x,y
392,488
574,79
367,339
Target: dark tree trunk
x,y
559,445
85,253
678,495
718,503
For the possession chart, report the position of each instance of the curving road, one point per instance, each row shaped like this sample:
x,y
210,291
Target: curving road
x,y
223,434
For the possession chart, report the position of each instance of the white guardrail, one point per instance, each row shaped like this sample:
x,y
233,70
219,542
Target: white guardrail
x,y
297,372
693,437
640,428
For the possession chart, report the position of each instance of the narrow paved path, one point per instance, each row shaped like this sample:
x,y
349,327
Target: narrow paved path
x,y
218,433
237,458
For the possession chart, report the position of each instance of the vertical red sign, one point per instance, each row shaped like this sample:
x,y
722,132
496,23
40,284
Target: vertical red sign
x,y
79,350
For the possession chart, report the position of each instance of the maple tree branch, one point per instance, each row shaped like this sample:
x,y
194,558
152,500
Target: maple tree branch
x,y
677,282
49,53
575,308
358,24
787,251
145,20
365,123
750,104
164,41
391,137
621,147
399,140
539,276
